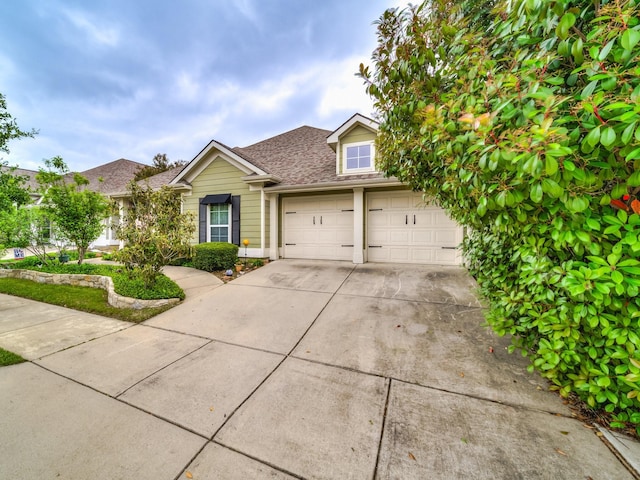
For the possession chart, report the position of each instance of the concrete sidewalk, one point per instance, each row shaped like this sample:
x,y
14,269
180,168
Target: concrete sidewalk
x,y
300,369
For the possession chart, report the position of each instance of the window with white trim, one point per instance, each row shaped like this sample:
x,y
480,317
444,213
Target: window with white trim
x,y
358,157
220,222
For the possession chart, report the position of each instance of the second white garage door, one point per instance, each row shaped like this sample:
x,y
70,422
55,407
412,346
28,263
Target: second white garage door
x,y
402,229
318,227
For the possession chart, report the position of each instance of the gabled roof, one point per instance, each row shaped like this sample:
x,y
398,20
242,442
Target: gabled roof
x,y
112,177
299,157
366,122
238,161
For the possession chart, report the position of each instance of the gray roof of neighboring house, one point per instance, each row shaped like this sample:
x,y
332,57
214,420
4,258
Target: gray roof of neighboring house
x,y
31,182
112,177
299,157
160,179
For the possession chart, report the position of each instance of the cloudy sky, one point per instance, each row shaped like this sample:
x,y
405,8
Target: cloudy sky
x,y
110,79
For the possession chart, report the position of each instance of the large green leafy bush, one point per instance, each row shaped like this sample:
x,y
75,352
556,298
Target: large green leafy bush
x,y
524,123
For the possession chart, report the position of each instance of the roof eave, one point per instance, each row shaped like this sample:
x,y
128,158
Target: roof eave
x,y
263,179
347,184
334,137
248,166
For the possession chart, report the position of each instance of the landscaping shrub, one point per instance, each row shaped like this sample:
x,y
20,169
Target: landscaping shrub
x,y
524,124
125,282
215,256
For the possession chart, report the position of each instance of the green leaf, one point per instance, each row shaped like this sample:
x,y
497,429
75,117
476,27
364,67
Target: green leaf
x,y
536,193
617,277
588,90
629,39
593,137
633,155
551,188
634,179
628,133
578,204
482,206
607,48
607,137
550,165
584,237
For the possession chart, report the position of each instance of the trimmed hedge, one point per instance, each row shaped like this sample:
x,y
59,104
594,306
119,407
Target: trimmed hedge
x,y
215,256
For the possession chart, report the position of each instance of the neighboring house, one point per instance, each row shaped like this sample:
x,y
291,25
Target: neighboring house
x,y
110,179
314,194
31,182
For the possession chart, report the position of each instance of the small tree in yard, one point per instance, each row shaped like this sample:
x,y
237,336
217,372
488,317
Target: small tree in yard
x,y
27,227
154,230
524,124
78,214
13,193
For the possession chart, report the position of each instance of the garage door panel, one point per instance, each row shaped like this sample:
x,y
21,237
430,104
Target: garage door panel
x,y
319,228
423,237
446,238
402,229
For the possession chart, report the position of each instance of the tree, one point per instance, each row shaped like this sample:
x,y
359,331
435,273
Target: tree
x,y
9,129
13,193
160,164
78,213
27,227
154,230
526,129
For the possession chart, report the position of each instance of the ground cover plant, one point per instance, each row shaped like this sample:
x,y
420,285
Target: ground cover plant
x,y
522,119
124,282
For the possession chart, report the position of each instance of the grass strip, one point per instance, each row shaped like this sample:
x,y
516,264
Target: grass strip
x,y
85,299
9,358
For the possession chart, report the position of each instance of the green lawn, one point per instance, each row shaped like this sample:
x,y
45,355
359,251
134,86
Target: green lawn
x,y
8,358
86,299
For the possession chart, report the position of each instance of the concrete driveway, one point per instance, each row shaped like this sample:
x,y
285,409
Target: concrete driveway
x,y
301,369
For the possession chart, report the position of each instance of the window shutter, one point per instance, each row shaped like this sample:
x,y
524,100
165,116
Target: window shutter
x,y
235,220
202,223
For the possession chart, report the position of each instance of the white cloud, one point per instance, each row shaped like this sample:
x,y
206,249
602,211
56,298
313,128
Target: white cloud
x,y
248,10
344,91
187,87
107,36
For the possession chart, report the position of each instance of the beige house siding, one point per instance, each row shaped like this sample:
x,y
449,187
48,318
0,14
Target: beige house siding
x,y
356,135
222,177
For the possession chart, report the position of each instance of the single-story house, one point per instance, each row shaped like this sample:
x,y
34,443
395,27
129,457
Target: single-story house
x,y
314,194
307,193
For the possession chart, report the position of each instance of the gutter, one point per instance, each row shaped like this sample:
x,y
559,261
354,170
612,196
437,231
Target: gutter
x,y
315,187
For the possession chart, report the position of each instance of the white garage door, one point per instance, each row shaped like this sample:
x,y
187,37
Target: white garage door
x,y
402,229
319,227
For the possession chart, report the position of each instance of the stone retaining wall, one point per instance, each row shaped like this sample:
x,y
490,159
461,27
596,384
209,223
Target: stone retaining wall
x,y
94,281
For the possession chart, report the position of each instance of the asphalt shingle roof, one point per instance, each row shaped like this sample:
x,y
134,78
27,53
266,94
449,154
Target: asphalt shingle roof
x,y
298,157
161,179
31,182
112,177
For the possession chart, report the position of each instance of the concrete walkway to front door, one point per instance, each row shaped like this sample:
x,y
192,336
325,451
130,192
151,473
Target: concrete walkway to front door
x,y
300,369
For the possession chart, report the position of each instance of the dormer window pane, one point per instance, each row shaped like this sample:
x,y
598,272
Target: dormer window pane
x,y
358,157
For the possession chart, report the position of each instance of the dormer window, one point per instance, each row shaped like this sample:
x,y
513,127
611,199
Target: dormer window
x,y
358,157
